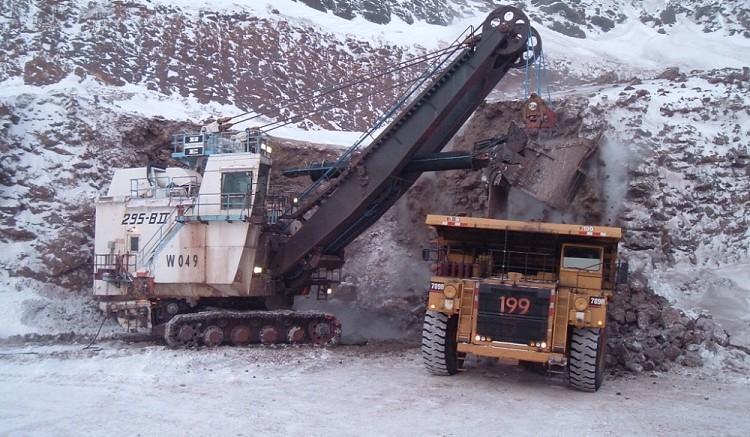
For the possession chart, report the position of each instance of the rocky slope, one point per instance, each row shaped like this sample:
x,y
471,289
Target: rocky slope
x,y
260,56
441,12
576,19
212,56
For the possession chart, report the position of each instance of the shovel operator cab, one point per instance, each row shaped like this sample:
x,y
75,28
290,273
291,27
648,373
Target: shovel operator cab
x,y
520,291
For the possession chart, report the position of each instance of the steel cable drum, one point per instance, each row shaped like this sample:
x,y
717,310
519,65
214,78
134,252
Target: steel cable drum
x,y
533,50
511,21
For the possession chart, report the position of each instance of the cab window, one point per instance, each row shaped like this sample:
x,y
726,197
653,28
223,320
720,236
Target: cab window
x,y
582,258
235,189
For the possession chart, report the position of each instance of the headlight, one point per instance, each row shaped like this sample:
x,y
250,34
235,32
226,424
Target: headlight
x,y
450,291
257,270
581,303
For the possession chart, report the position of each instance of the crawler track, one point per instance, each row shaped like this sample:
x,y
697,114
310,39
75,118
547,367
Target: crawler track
x,y
240,328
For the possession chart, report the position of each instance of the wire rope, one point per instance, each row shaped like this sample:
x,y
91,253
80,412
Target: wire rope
x,y
364,78
298,117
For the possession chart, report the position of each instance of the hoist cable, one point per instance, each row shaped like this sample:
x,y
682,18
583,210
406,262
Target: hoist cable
x,y
538,63
546,79
312,95
332,90
298,117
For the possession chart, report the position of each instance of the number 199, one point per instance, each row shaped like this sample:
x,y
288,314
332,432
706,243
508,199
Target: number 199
x,y
514,305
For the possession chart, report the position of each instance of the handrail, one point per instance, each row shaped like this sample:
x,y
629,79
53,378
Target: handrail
x,y
195,144
149,249
193,209
227,201
525,261
163,187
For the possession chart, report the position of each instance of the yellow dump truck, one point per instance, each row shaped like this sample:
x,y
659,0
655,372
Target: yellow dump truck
x,y
521,291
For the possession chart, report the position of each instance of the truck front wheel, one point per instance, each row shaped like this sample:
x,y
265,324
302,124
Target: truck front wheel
x,y
439,343
586,360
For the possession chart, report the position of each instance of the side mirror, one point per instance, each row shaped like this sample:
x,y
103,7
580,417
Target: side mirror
x,y
621,275
425,254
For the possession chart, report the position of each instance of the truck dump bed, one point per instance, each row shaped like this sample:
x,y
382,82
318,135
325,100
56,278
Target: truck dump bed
x,y
603,232
531,248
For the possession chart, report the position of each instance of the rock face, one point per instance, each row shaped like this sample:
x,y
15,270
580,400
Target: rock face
x,y
575,19
672,203
52,177
263,64
259,59
578,19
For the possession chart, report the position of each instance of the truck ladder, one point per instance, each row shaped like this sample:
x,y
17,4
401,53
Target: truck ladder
x,y
466,311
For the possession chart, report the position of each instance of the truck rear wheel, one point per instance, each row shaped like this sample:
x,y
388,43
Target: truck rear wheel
x,y
439,343
586,361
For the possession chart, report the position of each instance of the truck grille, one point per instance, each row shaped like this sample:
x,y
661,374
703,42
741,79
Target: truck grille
x,y
513,314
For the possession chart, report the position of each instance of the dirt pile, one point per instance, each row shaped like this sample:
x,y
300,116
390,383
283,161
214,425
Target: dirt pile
x,y
646,333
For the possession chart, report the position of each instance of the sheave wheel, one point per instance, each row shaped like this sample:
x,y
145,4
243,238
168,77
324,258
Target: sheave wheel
x,y
586,361
439,343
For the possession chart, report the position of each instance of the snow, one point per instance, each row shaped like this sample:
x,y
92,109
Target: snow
x,y
634,45
137,99
374,390
395,32
340,138
13,304
722,292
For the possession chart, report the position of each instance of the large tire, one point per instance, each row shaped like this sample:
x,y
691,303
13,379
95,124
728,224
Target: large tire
x,y
587,358
439,343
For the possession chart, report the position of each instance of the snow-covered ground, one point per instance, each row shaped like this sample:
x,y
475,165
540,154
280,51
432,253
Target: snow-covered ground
x,y
346,391
722,292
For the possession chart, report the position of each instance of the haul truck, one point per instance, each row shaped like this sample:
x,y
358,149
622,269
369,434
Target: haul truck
x,y
520,291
